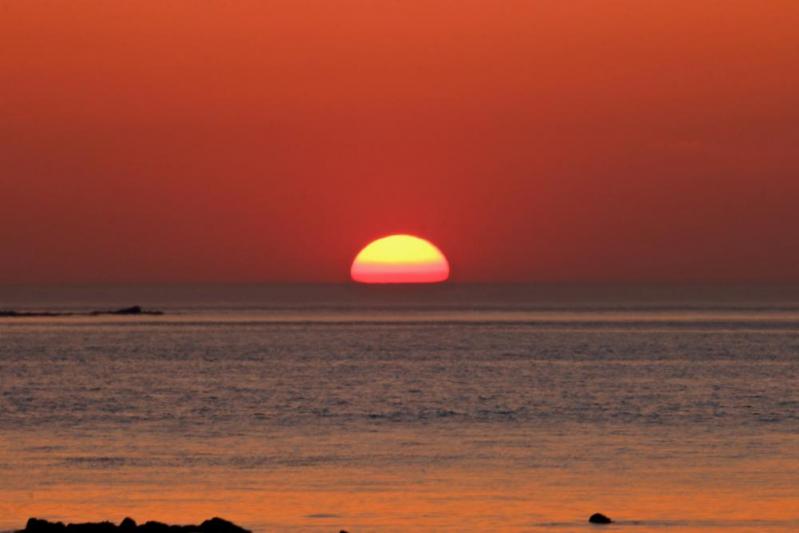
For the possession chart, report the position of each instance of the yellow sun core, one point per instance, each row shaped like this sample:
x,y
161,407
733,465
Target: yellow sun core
x,y
400,259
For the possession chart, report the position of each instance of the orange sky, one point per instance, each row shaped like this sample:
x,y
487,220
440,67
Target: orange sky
x,y
269,141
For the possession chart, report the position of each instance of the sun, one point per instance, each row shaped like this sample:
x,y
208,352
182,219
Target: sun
x,y
400,259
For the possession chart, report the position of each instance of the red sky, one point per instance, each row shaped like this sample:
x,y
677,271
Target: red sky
x,y
268,141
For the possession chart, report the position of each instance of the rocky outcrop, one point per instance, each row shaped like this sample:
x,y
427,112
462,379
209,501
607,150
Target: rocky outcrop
x,y
599,518
132,310
128,525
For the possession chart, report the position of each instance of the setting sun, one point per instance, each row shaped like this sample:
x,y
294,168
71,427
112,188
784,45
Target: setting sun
x,y
400,259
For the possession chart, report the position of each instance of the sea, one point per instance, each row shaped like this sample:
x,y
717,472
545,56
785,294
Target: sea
x,y
452,407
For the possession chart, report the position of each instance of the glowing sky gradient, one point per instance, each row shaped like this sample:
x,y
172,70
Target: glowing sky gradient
x,y
400,259
544,141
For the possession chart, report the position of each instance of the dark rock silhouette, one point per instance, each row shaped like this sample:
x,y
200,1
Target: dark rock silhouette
x,y
128,524
220,525
43,526
599,518
214,525
133,310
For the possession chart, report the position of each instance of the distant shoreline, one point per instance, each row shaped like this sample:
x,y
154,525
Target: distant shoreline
x,y
126,311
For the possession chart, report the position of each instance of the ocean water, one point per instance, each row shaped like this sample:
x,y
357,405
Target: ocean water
x,y
452,407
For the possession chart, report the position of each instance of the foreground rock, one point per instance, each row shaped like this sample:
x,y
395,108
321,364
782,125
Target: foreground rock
x,y
599,518
128,525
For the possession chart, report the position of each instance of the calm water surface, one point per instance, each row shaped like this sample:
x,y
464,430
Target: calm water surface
x,y
453,407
